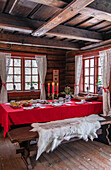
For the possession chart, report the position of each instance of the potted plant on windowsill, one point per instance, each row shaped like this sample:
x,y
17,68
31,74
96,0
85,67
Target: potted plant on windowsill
x,y
99,85
31,85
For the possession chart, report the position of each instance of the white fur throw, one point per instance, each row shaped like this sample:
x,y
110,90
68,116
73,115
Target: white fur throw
x,y
51,134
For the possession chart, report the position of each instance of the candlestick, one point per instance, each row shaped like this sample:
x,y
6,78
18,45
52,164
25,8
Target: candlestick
x,y
53,90
57,89
48,89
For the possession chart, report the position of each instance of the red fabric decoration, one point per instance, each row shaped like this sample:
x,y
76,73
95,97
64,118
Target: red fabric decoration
x,y
105,89
75,86
4,84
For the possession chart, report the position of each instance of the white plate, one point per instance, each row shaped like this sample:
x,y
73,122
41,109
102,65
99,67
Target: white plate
x,y
57,104
28,108
7,103
79,102
42,107
67,104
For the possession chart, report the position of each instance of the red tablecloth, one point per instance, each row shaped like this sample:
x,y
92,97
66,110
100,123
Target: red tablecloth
x,y
10,116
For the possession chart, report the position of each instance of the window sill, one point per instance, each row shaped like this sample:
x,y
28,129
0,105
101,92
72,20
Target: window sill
x,y
23,95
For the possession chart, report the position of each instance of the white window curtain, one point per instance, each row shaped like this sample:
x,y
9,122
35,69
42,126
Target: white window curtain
x,y
4,68
105,59
42,69
78,67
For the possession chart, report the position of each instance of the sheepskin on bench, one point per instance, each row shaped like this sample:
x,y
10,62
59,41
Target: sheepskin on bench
x,y
51,134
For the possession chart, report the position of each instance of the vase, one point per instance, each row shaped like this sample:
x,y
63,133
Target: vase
x,y
67,98
32,88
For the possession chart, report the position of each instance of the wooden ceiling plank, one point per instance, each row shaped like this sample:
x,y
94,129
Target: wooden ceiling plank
x,y
35,41
53,3
12,6
27,25
96,45
87,11
72,9
96,13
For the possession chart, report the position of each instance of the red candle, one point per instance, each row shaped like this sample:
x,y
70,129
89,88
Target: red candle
x,y
48,88
57,88
53,87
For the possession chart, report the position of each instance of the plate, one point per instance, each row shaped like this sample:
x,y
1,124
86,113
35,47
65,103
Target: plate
x,y
57,104
15,107
28,108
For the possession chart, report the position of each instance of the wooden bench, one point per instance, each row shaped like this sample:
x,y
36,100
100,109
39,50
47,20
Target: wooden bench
x,y
23,136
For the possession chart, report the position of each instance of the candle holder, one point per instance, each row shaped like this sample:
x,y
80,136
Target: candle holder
x,y
52,96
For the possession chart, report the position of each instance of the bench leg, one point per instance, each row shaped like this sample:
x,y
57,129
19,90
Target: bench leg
x,y
25,153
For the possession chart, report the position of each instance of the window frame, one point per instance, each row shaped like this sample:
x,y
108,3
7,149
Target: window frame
x,y
96,66
22,72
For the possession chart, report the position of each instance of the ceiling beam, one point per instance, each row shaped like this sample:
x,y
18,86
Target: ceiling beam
x,y
92,46
96,13
75,33
85,11
35,41
27,26
69,11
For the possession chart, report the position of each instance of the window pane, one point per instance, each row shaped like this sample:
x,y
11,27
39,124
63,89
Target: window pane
x,y
35,78
86,63
27,70
34,71
18,86
34,63
17,70
86,72
27,78
92,71
36,86
27,87
92,63
91,88
9,86
99,63
10,70
27,63
99,71
86,87
17,78
91,80
87,80
10,78
17,62
11,62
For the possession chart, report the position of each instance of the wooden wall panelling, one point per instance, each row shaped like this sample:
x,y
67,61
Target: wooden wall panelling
x,y
56,62
70,69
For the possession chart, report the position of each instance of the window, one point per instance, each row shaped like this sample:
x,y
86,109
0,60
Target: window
x,y
21,72
91,73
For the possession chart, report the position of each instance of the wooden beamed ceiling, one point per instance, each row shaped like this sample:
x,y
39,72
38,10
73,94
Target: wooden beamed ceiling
x,y
65,24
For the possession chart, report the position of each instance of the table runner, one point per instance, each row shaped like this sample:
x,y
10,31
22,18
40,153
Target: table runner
x,y
10,116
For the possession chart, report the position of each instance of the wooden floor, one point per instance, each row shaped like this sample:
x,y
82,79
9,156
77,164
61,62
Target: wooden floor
x,y
71,156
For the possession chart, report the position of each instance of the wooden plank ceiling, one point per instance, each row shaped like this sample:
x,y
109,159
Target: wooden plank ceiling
x,y
64,24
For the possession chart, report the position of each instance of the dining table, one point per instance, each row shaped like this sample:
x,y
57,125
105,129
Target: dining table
x,y
18,116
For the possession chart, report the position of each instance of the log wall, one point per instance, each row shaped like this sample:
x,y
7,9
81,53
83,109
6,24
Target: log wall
x,y
56,59
70,69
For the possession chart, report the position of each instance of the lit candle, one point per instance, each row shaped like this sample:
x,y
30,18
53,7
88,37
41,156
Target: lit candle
x,y
48,89
53,87
57,88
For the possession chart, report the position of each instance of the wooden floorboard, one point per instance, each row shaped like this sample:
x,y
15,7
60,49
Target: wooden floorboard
x,y
78,155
